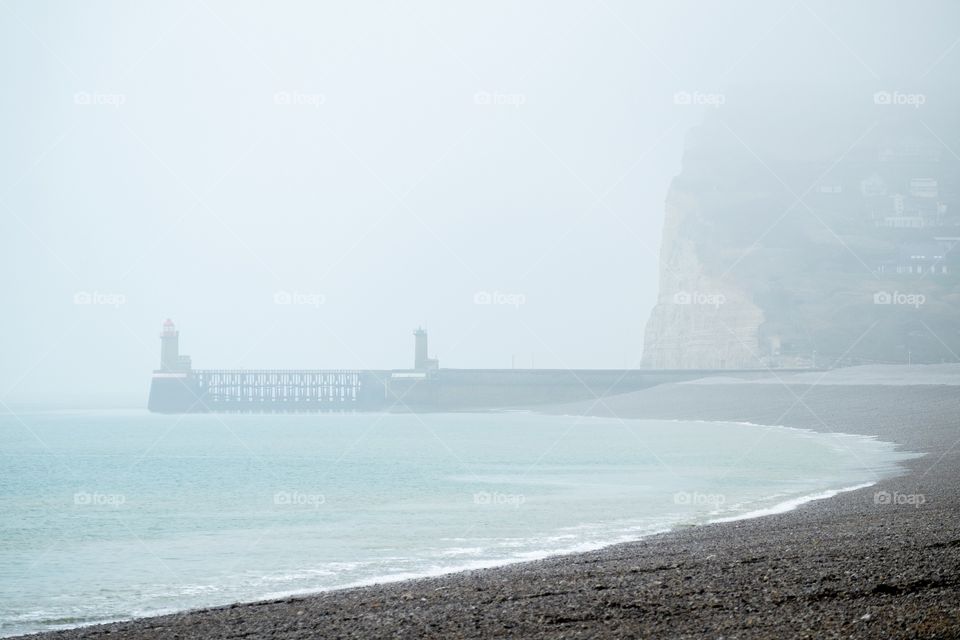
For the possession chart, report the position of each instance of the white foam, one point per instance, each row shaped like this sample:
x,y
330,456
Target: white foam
x,y
790,505
463,551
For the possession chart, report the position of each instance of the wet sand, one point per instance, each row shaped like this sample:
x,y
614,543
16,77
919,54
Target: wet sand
x,y
870,563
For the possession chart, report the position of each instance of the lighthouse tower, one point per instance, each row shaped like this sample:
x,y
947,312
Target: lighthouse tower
x,y
170,358
169,346
174,388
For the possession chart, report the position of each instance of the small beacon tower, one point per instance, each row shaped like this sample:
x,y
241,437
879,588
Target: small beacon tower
x,y
421,361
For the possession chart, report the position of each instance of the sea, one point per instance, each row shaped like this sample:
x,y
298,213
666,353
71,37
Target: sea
x,y
114,514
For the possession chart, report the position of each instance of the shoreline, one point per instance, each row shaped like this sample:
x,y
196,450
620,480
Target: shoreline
x,y
796,503
783,506
384,609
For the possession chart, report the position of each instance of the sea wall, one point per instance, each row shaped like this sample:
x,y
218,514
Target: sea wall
x,y
437,390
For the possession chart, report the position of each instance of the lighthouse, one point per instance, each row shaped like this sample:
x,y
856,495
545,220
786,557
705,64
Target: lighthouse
x,y
174,387
170,358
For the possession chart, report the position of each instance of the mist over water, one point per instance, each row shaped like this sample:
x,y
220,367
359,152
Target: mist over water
x,y
107,520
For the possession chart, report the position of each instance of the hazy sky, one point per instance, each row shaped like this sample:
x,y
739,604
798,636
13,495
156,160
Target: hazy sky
x,y
377,165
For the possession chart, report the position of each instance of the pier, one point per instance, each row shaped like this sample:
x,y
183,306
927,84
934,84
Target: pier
x,y
179,388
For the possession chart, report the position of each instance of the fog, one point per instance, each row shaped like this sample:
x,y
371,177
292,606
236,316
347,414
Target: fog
x,y
302,185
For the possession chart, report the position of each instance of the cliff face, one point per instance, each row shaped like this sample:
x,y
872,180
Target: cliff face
x,y
793,241
700,320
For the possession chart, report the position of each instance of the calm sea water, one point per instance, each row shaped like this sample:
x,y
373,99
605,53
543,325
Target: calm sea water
x,y
112,515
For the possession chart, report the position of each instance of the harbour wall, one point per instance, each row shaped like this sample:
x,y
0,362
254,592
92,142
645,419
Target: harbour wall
x,y
290,391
